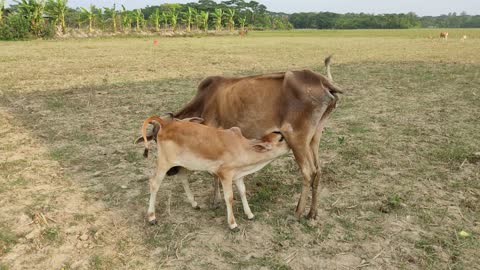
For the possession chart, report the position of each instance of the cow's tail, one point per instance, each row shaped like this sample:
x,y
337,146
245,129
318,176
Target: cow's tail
x,y
147,121
327,67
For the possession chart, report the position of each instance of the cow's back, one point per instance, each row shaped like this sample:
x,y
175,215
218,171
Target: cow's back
x,y
251,103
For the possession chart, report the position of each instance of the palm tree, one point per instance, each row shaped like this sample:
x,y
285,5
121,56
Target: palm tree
x,y
33,11
173,19
155,17
111,14
188,18
218,18
57,9
89,14
230,15
204,15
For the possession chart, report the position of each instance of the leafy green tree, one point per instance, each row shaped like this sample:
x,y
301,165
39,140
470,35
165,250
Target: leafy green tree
x,y
218,15
165,19
2,8
32,10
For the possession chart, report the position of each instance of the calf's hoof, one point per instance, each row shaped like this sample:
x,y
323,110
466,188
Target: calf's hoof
x,y
152,222
235,230
196,207
251,217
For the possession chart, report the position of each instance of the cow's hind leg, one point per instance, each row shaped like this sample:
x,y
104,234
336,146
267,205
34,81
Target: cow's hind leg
x,y
316,172
305,160
155,183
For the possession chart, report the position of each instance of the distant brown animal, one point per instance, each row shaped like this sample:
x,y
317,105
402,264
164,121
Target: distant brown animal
x,y
444,35
224,153
296,103
243,32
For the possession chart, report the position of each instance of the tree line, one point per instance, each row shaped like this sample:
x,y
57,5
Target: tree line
x,y
42,18
329,20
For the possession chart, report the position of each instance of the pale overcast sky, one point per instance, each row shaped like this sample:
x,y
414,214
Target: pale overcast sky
x,y
421,7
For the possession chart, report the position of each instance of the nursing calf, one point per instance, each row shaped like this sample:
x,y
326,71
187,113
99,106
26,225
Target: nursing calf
x,y
226,153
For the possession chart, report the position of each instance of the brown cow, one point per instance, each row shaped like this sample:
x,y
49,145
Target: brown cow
x,y
224,153
444,35
296,103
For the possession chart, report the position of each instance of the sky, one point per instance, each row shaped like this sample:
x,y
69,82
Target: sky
x,y
420,7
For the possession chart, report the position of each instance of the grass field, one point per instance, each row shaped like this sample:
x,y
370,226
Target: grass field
x,y
400,187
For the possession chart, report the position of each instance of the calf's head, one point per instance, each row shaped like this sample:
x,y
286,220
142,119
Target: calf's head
x,y
273,142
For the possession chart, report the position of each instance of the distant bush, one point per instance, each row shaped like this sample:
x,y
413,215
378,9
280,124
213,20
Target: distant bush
x,y
14,27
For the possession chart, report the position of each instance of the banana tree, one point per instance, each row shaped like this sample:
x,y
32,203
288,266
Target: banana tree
x,y
204,15
155,18
165,20
33,11
230,14
125,18
138,19
188,17
242,22
218,18
111,14
57,9
173,20
89,13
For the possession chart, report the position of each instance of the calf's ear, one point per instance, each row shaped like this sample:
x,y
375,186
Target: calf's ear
x,y
262,147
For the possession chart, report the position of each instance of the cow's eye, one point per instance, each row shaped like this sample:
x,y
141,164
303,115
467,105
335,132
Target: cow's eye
x,y
282,139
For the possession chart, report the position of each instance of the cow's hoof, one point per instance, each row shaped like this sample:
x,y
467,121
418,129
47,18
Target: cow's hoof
x,y
312,215
235,230
153,222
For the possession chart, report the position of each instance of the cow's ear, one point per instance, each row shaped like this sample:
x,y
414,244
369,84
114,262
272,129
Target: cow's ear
x,y
262,147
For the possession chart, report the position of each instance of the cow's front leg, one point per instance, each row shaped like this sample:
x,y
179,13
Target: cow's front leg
x,y
242,190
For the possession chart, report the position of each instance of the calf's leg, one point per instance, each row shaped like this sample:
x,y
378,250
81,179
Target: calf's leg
x,y
183,175
228,195
242,190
